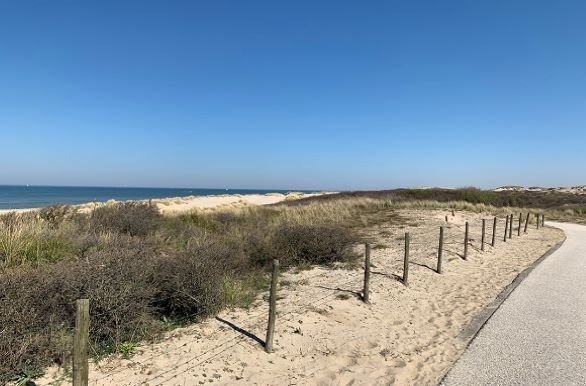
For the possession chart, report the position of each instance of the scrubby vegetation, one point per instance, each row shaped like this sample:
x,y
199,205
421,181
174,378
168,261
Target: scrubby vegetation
x,y
555,204
144,272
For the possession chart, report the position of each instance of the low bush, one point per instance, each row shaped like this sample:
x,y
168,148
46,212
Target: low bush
x,y
54,215
132,218
318,244
130,291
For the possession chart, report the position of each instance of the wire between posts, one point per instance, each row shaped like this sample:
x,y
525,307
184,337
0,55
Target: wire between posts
x,y
453,240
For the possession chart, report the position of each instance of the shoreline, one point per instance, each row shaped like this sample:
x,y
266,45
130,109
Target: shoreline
x,y
175,205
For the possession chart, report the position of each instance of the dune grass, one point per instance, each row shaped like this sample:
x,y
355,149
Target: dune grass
x,y
144,272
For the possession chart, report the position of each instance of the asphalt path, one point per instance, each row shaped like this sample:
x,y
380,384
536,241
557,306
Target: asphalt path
x,y
538,334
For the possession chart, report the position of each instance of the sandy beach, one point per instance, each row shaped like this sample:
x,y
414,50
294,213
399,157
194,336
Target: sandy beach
x,y
174,205
326,335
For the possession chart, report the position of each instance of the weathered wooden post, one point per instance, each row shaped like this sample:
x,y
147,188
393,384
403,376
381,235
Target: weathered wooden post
x,y
366,289
520,221
466,234
511,227
542,220
453,213
440,251
406,261
80,343
537,220
272,307
494,232
483,232
446,218
506,229
527,222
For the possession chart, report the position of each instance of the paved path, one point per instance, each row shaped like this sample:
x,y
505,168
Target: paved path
x,y
538,335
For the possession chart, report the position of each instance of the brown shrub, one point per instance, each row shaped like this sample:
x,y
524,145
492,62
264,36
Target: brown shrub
x,y
130,289
132,218
189,287
54,215
316,244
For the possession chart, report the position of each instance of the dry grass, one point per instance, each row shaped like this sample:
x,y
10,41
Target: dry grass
x,y
144,272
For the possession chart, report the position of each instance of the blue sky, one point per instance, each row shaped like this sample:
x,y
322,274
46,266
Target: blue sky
x,y
293,94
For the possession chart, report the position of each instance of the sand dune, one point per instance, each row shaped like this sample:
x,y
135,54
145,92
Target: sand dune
x,y
175,205
327,336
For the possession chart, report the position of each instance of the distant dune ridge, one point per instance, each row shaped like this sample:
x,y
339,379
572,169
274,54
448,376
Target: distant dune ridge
x,y
580,189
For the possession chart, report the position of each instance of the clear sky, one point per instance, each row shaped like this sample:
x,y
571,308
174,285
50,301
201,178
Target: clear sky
x,y
293,94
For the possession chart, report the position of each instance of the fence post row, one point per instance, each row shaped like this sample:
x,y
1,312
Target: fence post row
x,y
406,260
466,234
440,251
272,307
494,232
526,222
366,289
80,343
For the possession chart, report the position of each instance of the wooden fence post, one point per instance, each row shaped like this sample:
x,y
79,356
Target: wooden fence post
x,y
406,261
494,232
511,227
440,251
466,234
366,289
506,229
483,232
453,213
272,307
446,218
80,343
520,221
542,220
537,220
526,222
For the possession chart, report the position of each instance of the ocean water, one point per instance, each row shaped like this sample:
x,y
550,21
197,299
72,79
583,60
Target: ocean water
x,y
17,197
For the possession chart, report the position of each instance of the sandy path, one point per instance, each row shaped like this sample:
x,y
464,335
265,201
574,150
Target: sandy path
x,y
538,335
327,336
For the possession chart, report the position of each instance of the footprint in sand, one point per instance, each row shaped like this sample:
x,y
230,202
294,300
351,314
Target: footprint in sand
x,y
397,363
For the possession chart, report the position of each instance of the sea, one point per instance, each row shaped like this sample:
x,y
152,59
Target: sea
x,y
18,197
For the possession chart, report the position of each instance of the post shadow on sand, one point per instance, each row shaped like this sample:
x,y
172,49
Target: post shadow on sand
x,y
391,275
242,331
423,265
355,293
460,255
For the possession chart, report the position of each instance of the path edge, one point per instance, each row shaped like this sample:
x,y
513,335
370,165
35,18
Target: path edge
x,y
479,321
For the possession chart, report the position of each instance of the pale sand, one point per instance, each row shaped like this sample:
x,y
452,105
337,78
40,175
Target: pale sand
x,y
327,336
176,205
577,190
